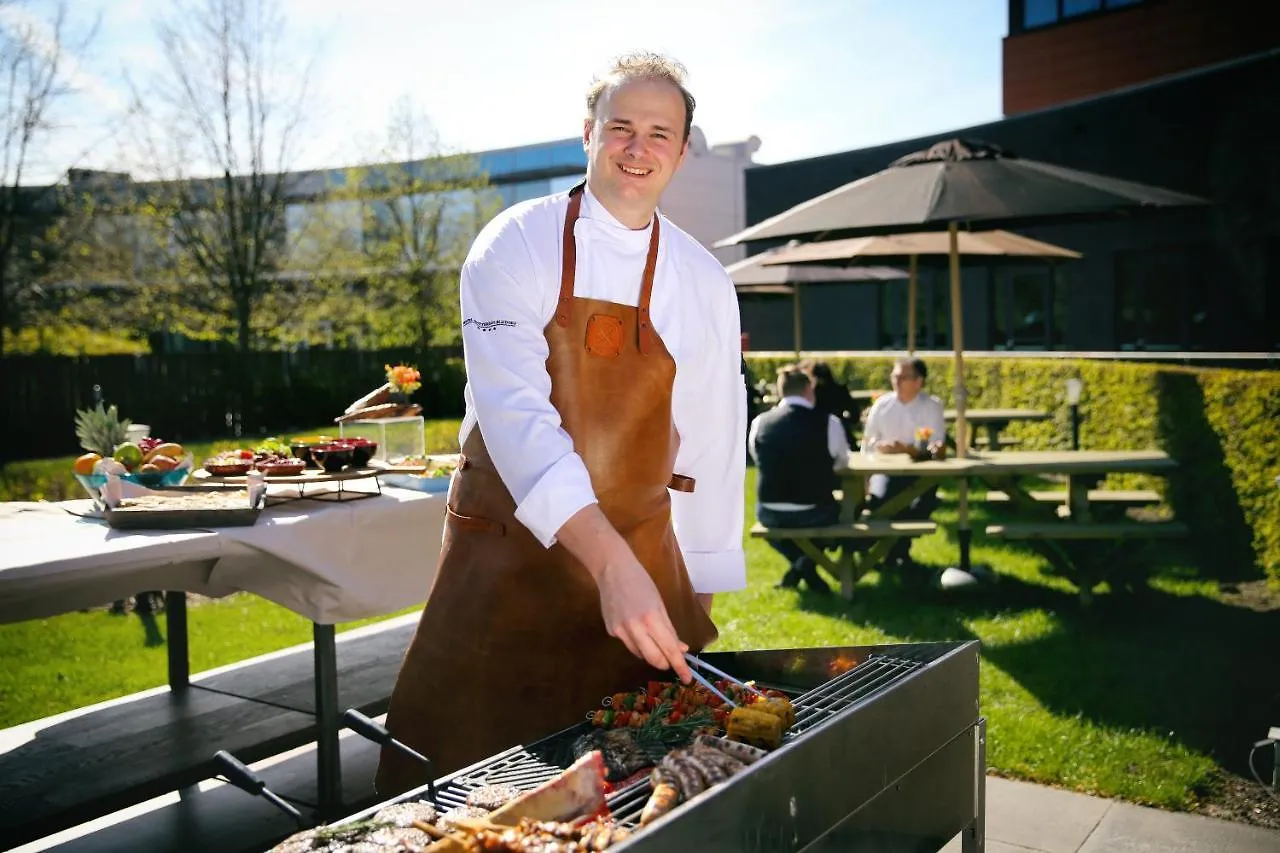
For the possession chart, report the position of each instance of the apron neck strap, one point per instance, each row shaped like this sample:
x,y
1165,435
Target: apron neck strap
x,y
569,266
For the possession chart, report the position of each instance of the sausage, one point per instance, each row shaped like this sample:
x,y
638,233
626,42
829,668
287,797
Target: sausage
x,y
664,798
745,753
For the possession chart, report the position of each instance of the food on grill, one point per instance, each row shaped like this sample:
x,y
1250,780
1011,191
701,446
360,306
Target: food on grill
x,y
665,797
758,728
530,836
404,814
490,797
684,773
622,753
780,707
447,820
743,752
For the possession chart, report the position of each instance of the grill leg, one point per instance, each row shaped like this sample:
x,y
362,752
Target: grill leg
x,y
974,839
328,763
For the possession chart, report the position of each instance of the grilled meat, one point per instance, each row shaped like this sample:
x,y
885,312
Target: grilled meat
x,y
531,836
404,814
490,797
745,753
446,819
622,755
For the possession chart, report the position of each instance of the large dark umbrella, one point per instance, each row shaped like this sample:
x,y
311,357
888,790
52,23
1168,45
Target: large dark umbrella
x,y
756,275
953,183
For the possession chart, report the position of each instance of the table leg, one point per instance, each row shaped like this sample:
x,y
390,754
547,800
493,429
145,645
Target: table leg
x,y
855,496
175,619
328,762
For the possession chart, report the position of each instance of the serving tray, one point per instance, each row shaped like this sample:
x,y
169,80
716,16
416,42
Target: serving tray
x,y
183,509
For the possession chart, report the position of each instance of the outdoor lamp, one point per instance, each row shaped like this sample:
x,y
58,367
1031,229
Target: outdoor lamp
x,y
1074,389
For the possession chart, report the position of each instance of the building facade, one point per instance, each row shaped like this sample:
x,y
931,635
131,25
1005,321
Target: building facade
x,y
1203,279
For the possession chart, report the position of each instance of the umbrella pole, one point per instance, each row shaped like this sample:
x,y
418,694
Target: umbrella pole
x,y
912,267
962,426
795,317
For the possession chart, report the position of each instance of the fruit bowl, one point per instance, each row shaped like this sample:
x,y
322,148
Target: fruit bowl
x,y
150,479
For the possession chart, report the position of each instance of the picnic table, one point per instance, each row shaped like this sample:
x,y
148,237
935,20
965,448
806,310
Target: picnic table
x,y
1078,514
327,561
994,421
1081,513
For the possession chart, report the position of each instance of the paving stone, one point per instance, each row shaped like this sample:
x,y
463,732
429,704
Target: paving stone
x,y
1127,828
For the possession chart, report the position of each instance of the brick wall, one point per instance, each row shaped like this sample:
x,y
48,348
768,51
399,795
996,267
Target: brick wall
x,y
1082,57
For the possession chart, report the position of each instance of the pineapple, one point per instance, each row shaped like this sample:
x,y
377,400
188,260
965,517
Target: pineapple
x,y
101,430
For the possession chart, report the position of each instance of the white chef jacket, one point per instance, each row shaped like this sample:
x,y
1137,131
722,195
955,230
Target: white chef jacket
x,y
892,420
837,446
510,284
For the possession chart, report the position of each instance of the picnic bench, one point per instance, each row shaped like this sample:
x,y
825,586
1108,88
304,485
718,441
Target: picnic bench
x,y
994,422
851,563
1055,520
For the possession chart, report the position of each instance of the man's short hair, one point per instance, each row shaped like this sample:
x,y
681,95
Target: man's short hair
x,y
917,366
792,381
642,65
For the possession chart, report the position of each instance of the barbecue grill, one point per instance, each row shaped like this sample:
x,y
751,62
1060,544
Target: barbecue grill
x,y
887,754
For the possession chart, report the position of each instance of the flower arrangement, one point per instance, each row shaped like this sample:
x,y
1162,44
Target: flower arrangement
x,y
923,434
403,378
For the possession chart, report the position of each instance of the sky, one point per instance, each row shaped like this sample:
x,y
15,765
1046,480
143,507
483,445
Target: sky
x,y
808,77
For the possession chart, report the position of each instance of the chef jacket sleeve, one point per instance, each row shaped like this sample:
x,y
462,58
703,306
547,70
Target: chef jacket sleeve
x,y
710,414
505,351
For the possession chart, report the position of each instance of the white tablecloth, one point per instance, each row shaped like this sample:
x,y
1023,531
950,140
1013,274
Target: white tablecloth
x,y
329,562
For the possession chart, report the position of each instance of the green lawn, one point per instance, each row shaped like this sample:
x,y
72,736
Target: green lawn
x,y
1144,697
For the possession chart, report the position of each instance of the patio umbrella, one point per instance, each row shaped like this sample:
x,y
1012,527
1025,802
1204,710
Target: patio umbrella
x,y
960,182
976,246
755,275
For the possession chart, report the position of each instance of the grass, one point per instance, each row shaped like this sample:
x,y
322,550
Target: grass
x,y
1144,697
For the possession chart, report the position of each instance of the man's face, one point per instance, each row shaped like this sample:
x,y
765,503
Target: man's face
x,y
635,145
906,383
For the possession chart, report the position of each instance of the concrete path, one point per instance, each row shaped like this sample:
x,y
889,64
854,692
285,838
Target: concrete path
x,y
1026,818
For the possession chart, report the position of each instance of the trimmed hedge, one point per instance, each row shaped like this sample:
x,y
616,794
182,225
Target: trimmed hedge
x,y
1223,427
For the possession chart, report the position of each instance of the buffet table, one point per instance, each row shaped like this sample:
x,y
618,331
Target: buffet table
x,y
329,562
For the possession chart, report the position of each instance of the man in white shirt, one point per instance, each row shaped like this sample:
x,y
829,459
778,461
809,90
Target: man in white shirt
x,y
797,449
897,423
605,410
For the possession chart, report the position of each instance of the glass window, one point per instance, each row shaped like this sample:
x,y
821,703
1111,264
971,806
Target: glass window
x,y
564,184
1037,13
1152,299
1071,8
893,316
1119,4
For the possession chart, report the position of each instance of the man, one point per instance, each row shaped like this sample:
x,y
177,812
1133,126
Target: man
x,y
797,449
603,368
892,427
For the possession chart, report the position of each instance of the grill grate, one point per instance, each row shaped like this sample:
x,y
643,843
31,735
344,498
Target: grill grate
x,y
527,767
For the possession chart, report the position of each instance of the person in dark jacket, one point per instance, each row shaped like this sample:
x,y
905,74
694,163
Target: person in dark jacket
x,y
832,397
797,449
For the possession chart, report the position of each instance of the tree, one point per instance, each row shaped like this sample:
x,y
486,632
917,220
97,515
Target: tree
x,y
420,207
33,55
219,130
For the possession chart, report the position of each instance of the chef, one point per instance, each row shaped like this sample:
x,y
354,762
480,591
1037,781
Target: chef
x,y
598,504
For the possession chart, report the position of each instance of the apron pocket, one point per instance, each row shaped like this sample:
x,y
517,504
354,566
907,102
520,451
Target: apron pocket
x,y
475,522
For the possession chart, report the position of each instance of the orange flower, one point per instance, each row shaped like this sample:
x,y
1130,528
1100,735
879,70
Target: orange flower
x,y
923,433
403,378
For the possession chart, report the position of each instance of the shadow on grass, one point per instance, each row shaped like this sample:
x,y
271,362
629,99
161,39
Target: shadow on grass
x,y
1197,669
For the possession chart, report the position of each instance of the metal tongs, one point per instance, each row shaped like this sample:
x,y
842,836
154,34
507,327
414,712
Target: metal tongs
x,y
696,661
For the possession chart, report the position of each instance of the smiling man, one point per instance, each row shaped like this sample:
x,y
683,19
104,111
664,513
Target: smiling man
x,y
598,506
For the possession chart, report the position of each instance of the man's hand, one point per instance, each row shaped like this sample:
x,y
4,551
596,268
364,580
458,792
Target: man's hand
x,y
634,613
632,608
892,447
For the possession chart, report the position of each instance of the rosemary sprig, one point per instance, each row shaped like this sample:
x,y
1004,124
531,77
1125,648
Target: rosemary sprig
x,y
655,732
350,831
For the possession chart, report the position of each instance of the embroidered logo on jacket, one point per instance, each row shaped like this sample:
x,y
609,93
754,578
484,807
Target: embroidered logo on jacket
x,y
487,325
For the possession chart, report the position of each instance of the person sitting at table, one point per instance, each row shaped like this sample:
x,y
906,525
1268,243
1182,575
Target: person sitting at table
x,y
797,450
892,426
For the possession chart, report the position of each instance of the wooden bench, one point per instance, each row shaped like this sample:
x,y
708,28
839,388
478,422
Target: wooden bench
x,y
1110,497
1099,530
61,771
1004,441
851,564
1086,570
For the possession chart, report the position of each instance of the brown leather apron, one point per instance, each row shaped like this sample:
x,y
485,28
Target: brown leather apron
x,y
512,645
